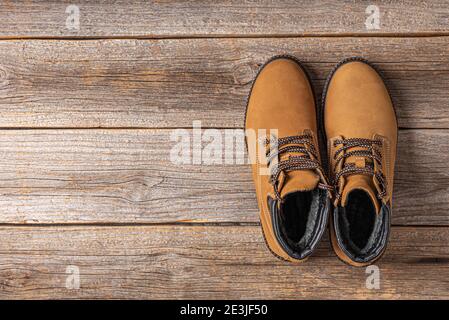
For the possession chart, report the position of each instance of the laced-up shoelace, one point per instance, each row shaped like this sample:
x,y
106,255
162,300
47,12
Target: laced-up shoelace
x,y
349,169
297,144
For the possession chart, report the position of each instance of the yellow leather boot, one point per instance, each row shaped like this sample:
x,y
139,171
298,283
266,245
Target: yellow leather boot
x,y
361,132
292,192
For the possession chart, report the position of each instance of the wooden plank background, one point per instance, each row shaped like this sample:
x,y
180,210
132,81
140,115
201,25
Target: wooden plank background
x,y
125,175
203,262
170,83
85,125
209,18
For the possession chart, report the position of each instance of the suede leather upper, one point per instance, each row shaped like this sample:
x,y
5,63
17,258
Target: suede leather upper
x,y
358,106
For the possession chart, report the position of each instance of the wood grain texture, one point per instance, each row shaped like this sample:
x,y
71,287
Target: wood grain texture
x,y
200,262
126,176
85,173
170,83
219,18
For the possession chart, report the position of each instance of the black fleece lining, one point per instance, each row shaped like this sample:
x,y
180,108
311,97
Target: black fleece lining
x,y
297,219
359,217
358,224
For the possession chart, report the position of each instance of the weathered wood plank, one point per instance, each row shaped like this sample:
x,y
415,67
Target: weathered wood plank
x,y
170,83
219,18
126,176
201,262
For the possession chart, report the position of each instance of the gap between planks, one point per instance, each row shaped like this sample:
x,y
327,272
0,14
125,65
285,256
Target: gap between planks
x,y
157,128
232,36
173,224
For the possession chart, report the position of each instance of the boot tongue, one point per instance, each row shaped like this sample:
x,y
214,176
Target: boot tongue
x,y
300,180
296,180
360,182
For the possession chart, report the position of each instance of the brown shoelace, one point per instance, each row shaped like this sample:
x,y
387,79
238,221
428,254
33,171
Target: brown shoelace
x,y
349,169
297,144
